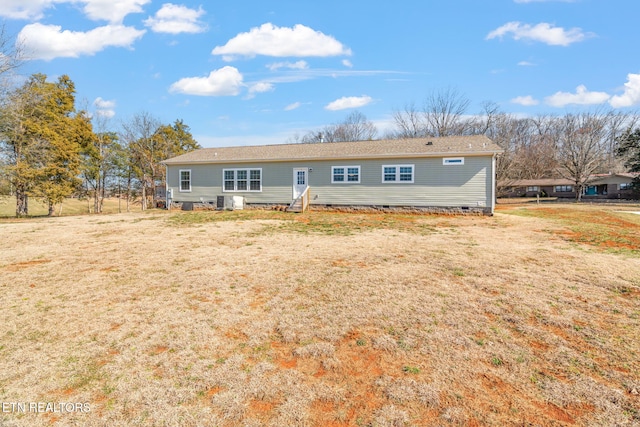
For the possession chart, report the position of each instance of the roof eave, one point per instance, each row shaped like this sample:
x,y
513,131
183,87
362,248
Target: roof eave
x,y
348,157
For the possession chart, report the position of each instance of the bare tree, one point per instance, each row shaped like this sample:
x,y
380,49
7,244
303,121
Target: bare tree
x,y
11,52
137,134
99,159
581,147
10,58
443,112
409,122
618,125
355,127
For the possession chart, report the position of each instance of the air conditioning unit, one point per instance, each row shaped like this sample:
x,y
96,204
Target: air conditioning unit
x,y
230,203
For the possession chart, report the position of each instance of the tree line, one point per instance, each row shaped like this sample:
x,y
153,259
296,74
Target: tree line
x,y
572,146
51,150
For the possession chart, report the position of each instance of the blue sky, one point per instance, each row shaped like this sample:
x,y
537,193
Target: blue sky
x,y
258,72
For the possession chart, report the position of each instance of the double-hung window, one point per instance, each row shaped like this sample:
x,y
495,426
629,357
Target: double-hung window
x,y
563,188
185,180
398,173
242,180
345,174
625,186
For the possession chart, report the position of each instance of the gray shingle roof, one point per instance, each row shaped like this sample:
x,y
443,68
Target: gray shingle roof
x,y
416,147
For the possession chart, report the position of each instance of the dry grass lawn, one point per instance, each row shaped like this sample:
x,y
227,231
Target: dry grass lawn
x,y
530,317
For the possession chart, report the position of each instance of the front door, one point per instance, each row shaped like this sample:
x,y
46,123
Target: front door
x,y
300,177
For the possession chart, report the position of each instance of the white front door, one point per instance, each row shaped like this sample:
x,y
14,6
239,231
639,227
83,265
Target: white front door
x,y
300,177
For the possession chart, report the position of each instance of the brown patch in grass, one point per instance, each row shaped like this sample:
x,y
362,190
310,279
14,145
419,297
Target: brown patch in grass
x,y
26,264
212,391
554,413
602,228
539,345
159,349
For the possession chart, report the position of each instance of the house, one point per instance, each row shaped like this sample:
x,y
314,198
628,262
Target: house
x,y
431,174
598,186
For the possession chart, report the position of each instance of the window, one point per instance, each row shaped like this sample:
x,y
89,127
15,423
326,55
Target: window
x,y
185,180
301,177
345,174
255,180
453,161
397,173
242,180
625,186
533,188
563,188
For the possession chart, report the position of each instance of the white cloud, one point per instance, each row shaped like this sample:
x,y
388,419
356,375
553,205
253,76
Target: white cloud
x,y
526,64
269,40
347,63
176,19
104,108
227,81
526,101
298,65
24,9
293,106
104,104
49,41
260,87
631,95
113,11
581,97
543,32
348,102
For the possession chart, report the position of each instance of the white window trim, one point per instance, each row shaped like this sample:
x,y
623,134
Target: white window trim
x,y
397,174
346,174
235,180
180,180
453,161
533,188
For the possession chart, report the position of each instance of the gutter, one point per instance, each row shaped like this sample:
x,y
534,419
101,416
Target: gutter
x,y
345,157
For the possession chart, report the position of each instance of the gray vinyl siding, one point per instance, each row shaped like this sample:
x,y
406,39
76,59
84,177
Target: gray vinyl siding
x,y
434,184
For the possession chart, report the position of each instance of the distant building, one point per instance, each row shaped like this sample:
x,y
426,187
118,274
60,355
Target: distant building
x,y
598,186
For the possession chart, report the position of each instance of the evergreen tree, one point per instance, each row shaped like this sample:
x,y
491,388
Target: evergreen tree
x,y
43,137
629,148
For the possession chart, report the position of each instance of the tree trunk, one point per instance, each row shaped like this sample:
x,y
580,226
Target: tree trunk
x,y
102,190
51,209
143,202
579,188
128,189
96,201
22,203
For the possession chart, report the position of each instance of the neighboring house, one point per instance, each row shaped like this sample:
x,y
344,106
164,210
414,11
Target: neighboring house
x,y
599,186
453,173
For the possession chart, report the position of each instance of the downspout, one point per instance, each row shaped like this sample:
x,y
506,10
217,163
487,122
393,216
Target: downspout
x,y
493,182
167,195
